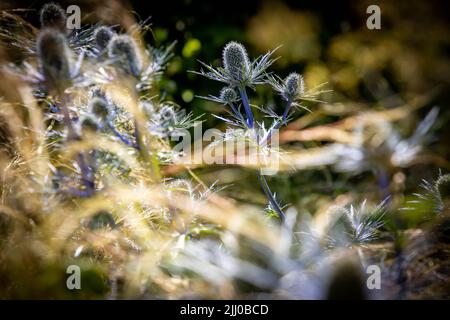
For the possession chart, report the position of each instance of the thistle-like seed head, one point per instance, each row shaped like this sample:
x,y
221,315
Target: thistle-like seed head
x,y
294,85
53,16
89,124
102,36
228,95
235,60
99,107
123,48
54,57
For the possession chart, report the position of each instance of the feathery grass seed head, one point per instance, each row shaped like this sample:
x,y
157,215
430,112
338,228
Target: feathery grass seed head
x,y
52,15
123,48
54,56
236,61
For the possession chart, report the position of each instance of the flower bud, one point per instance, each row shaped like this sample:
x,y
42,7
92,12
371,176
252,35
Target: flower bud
x,y
99,107
102,36
54,57
235,60
53,16
228,95
294,85
124,49
89,124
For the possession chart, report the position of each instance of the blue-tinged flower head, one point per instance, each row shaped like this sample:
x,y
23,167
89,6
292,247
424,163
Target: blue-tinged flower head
x,y
54,57
228,95
124,49
99,107
238,70
291,88
89,124
235,61
102,36
294,86
53,16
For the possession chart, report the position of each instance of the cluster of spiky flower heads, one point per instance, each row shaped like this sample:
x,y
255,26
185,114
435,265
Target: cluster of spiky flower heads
x,y
239,73
53,16
54,48
124,50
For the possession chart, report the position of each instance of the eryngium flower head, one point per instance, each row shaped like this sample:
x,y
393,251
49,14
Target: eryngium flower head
x,y
89,124
123,48
99,107
237,70
294,86
228,95
102,36
54,57
235,61
52,15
